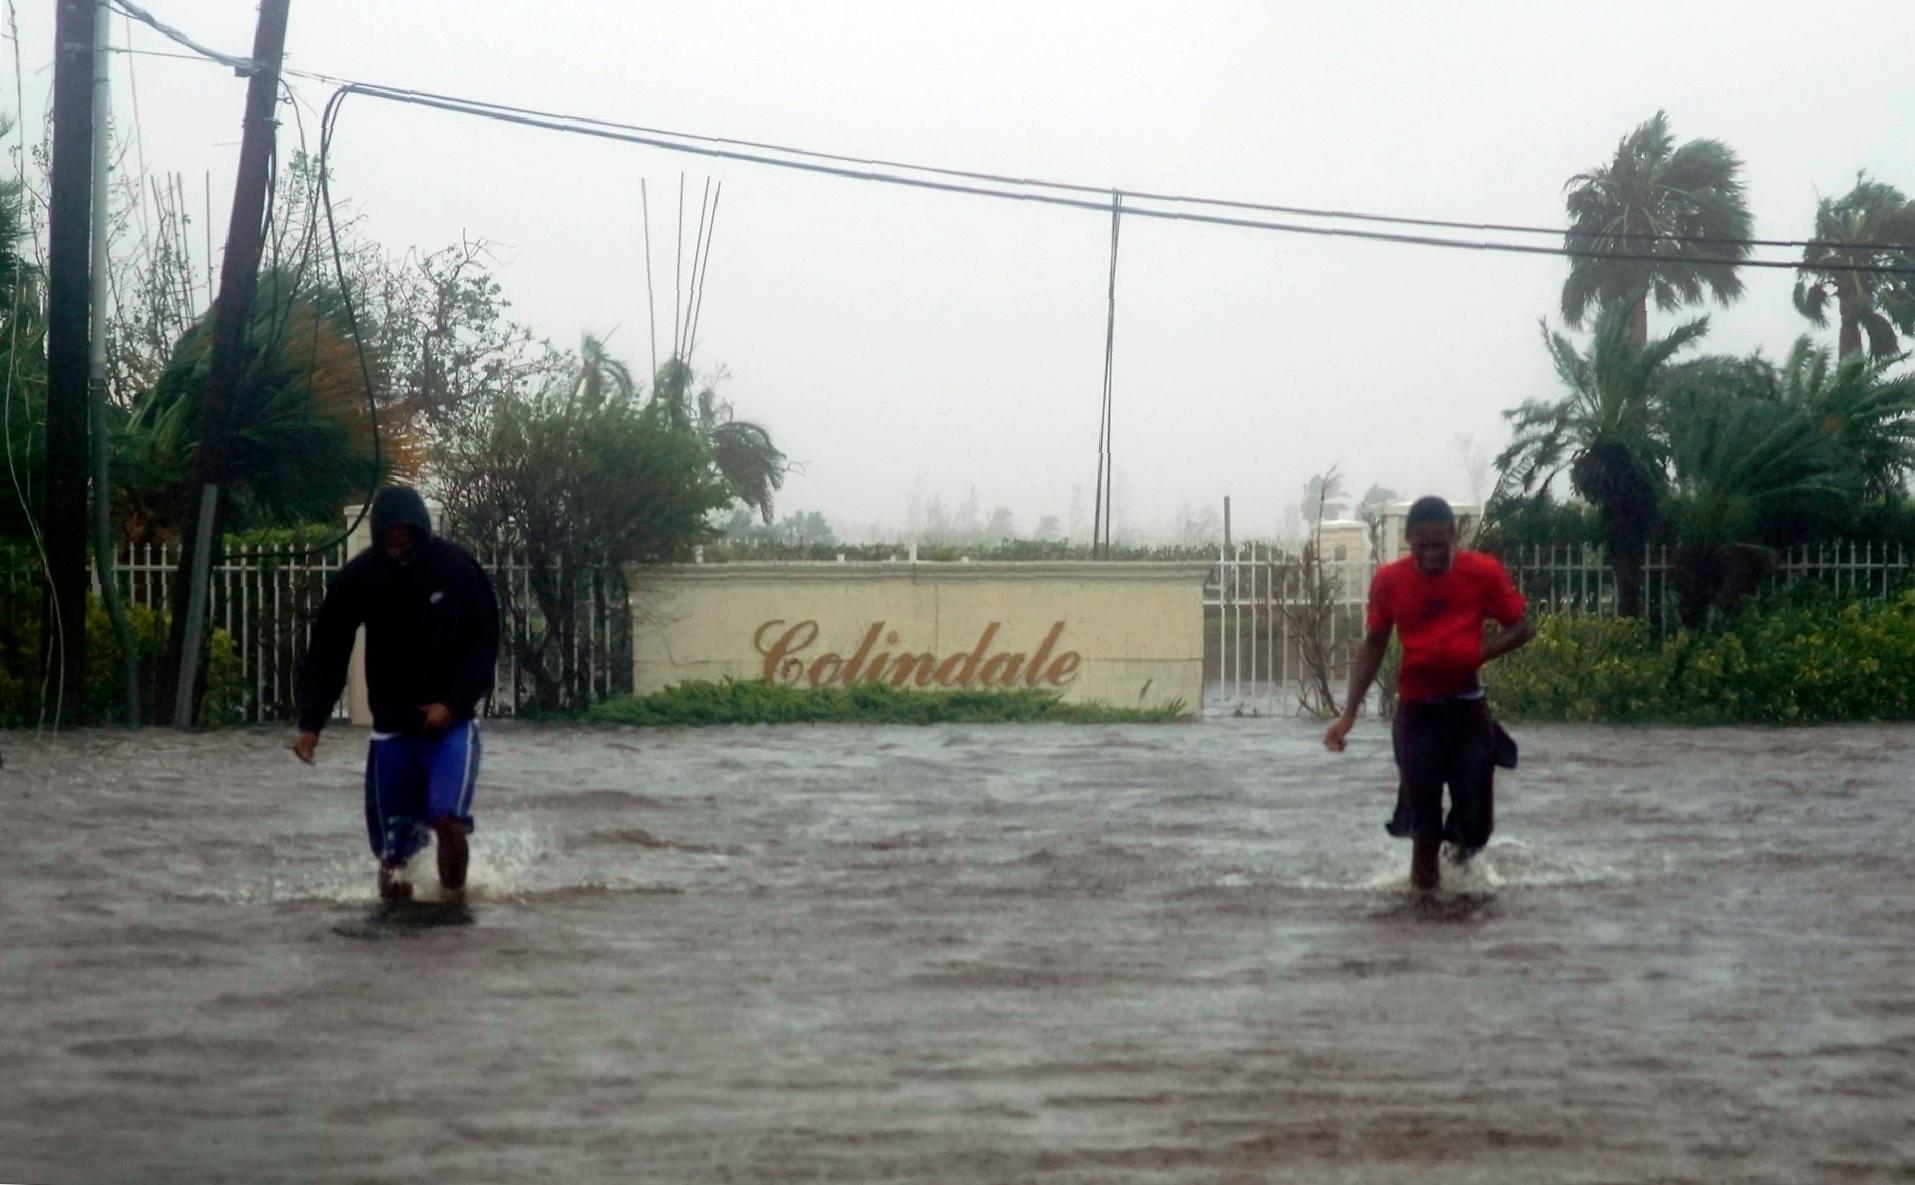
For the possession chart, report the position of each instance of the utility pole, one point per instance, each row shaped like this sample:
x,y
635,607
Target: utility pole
x,y
96,370
238,284
63,508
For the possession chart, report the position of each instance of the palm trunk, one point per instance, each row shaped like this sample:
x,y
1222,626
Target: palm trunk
x,y
1851,339
1639,322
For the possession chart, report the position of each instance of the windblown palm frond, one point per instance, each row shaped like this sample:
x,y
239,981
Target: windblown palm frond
x,y
1856,404
1691,193
301,435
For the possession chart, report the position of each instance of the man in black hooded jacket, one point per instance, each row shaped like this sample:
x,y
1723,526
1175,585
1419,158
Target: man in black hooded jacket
x,y
432,642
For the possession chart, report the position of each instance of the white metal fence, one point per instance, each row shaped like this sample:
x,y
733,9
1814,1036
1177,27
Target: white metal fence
x,y
266,605
1255,606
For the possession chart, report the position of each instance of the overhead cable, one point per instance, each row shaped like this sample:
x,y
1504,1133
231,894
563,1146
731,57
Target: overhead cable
x,y
240,65
710,148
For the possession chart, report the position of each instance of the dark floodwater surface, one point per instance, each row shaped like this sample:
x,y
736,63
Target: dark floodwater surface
x,y
957,955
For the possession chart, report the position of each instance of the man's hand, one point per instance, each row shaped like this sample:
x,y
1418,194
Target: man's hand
x,y
1339,728
304,744
438,717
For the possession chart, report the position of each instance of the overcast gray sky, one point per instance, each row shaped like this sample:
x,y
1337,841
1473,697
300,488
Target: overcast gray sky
x,y
896,340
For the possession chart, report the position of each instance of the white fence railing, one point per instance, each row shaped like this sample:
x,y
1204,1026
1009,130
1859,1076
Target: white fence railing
x,y
1254,604
266,604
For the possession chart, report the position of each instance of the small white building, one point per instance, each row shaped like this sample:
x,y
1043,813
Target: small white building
x,y
1395,518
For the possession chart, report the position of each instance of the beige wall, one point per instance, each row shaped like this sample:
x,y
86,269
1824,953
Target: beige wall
x,y
1131,634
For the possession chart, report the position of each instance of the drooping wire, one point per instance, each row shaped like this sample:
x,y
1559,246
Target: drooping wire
x,y
55,658
481,106
492,112
585,124
328,124
245,66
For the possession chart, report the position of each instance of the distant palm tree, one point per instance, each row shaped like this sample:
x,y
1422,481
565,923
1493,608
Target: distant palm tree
x,y
1654,188
599,375
1606,431
742,451
1872,225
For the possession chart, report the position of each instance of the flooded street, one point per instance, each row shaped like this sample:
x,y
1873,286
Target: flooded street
x,y
965,954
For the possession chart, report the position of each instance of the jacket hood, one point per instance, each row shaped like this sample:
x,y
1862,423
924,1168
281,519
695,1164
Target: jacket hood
x,y
396,506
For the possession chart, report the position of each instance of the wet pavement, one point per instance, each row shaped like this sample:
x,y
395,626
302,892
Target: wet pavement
x,y
964,954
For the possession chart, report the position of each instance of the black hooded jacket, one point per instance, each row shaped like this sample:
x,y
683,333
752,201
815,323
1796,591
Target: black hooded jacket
x,y
432,626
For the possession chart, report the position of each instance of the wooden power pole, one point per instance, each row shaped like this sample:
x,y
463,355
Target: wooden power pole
x,y
63,509
238,285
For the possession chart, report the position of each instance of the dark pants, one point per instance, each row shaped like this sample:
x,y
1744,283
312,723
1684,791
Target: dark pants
x,y
1452,743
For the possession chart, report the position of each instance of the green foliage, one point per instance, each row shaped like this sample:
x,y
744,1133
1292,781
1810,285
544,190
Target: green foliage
x,y
742,452
1512,523
585,478
301,442
1606,430
104,695
700,703
1784,661
22,364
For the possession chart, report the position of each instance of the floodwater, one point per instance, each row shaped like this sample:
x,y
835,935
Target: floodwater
x,y
965,954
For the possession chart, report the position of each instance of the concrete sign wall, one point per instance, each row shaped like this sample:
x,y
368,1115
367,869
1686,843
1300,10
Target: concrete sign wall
x,y
1130,635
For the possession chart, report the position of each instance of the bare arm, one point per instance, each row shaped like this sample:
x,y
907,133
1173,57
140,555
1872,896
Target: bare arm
x,y
1508,638
1363,668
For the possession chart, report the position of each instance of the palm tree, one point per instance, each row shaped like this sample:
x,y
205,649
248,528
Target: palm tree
x,y
301,436
1854,403
1872,225
1606,431
1658,200
1751,473
599,375
742,451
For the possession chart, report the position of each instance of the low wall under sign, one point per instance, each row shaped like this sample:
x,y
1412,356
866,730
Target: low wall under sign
x,y
1130,635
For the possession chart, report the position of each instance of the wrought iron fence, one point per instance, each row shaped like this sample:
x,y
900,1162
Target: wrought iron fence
x,y
267,605
1254,658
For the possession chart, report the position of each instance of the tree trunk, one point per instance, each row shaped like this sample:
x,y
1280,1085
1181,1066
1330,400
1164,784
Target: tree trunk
x,y
1626,563
1639,322
1851,339
1698,576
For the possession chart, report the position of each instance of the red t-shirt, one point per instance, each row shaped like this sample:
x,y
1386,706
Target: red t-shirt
x,y
1440,619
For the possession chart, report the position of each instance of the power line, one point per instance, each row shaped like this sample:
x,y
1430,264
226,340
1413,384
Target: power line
x,y
475,106
708,148
244,66
1100,190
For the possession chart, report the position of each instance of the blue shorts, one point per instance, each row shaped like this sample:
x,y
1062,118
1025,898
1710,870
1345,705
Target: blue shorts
x,y
414,781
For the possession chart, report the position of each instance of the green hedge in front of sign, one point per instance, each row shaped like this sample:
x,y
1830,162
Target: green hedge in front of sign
x,y
731,702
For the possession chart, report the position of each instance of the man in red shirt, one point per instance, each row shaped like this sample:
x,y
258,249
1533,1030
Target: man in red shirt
x,y
1437,599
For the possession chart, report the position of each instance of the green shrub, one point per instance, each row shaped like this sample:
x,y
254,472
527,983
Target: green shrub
x,y
104,698
1782,661
701,702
